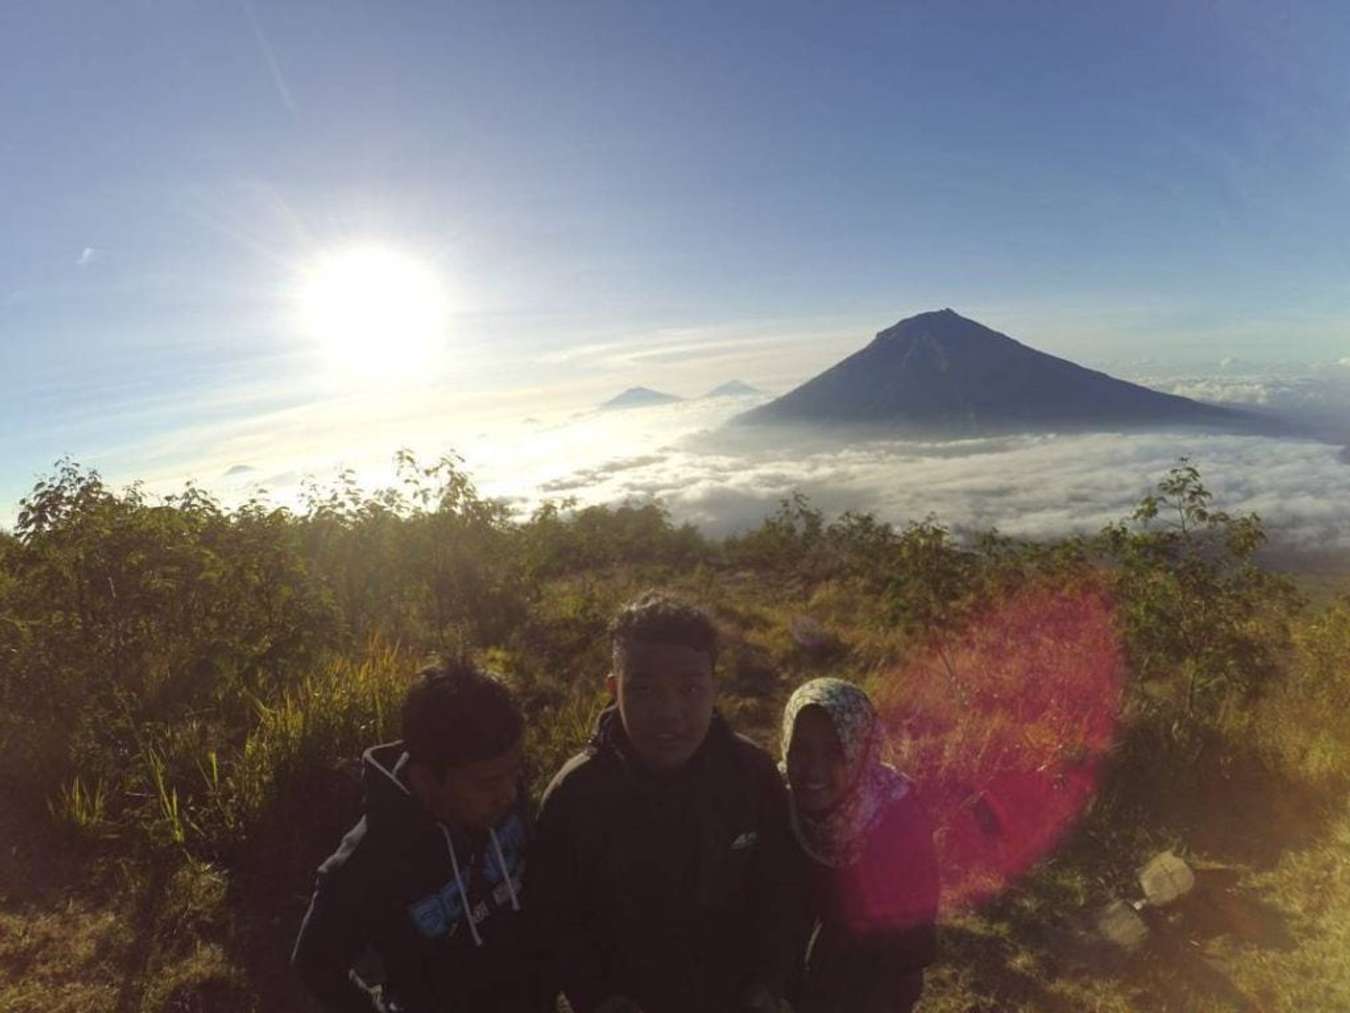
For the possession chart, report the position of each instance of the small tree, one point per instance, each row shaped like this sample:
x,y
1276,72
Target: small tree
x,y
1204,625
787,542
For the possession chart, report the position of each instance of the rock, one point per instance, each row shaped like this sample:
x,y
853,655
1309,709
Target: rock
x,y
812,637
1165,879
1120,925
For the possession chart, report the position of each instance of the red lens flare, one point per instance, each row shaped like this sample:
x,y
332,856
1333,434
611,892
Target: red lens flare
x,y
1004,726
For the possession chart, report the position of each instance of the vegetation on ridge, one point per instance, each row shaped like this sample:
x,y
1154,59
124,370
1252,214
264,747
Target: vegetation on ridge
x,y
184,688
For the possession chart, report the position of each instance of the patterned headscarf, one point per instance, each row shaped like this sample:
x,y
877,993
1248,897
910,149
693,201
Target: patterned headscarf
x,y
836,836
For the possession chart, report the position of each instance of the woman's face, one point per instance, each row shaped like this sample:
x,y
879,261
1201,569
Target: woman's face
x,y
816,767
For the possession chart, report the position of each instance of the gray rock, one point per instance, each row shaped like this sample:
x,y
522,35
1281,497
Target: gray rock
x,y
1166,878
1119,924
812,637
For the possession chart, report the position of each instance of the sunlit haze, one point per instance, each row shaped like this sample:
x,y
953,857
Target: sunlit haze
x,y
246,243
374,311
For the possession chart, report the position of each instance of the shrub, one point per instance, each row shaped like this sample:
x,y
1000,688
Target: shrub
x,y
1205,625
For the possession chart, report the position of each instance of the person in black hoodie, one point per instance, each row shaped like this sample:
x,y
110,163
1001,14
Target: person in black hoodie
x,y
661,877
430,879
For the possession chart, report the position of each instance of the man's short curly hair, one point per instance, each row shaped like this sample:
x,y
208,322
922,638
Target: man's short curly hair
x,y
455,713
655,617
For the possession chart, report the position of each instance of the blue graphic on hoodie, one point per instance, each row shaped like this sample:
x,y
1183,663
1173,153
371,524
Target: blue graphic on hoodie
x,y
440,913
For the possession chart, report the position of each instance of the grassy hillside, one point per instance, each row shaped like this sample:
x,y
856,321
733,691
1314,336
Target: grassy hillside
x,y
184,690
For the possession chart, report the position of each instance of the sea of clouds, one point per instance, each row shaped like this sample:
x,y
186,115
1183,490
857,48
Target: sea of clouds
x,y
1039,485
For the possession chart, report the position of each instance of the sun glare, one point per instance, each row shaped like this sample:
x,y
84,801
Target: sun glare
x,y
374,310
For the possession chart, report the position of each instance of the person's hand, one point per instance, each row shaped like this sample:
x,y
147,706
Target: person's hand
x,y
760,999
618,1004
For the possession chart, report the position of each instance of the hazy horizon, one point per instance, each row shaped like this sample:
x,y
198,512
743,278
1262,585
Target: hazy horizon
x,y
1037,485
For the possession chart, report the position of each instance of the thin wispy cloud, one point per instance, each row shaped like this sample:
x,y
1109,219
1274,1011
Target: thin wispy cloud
x,y
660,347
87,256
775,353
270,58
580,353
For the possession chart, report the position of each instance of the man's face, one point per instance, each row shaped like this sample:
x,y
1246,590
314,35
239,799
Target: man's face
x,y
475,795
665,697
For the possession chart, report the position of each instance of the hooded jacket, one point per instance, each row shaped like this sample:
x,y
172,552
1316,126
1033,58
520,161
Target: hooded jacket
x,y
440,907
674,890
875,920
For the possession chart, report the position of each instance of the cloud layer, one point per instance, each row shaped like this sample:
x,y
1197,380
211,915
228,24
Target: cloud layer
x,y
1319,402
1034,485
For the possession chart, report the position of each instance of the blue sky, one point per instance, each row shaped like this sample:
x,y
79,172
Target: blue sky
x,y
623,193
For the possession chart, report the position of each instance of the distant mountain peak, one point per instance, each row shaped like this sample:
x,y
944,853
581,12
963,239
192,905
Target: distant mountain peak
x,y
732,388
943,323
943,374
639,397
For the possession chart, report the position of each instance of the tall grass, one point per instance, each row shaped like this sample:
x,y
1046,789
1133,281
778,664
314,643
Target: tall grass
x,y
330,715
558,732
1294,723
1006,725
80,807
168,818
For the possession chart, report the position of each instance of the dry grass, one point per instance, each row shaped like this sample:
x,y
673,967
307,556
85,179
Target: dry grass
x,y
1310,887
69,957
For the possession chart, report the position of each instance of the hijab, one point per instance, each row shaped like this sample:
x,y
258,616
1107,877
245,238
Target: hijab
x,y
836,836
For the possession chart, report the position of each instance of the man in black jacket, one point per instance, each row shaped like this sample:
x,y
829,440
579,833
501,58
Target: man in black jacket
x,y
661,879
430,879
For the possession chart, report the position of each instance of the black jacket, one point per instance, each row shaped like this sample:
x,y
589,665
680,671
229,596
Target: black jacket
x,y
392,886
676,891
875,921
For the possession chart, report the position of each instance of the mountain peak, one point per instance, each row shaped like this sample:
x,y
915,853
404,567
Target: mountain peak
x,y
940,373
638,397
732,388
944,324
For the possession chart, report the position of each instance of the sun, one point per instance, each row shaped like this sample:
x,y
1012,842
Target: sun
x,y
373,310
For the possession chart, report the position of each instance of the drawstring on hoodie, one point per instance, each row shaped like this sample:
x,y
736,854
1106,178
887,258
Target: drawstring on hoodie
x,y
454,858
506,873
459,881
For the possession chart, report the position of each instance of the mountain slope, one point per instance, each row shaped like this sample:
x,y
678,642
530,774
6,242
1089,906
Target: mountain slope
x,y
940,372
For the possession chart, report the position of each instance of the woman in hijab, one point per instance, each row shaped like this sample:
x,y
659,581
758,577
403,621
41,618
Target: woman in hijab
x,y
868,845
